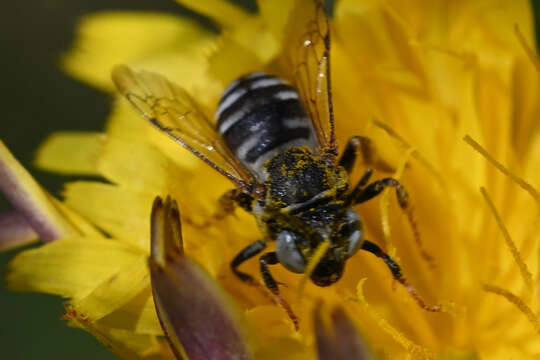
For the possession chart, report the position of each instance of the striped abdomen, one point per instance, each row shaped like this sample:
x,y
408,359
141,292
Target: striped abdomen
x,y
259,116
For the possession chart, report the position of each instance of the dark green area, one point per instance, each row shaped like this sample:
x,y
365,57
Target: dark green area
x,y
37,99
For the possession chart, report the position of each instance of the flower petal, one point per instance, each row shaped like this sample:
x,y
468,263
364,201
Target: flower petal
x,y
70,152
123,343
72,267
30,200
137,315
116,291
222,12
15,231
195,313
121,213
275,14
142,167
252,46
111,38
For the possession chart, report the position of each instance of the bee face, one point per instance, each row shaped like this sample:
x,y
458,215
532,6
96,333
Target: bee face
x,y
294,249
329,269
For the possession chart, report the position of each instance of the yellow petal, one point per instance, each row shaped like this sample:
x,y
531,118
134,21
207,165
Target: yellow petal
x,y
111,38
70,152
121,213
138,315
31,200
70,267
275,14
84,227
123,343
222,12
226,71
115,291
142,167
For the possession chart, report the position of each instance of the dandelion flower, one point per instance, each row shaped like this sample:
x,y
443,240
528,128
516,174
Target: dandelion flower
x,y
448,93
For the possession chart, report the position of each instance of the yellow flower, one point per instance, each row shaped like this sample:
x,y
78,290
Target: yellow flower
x,y
446,91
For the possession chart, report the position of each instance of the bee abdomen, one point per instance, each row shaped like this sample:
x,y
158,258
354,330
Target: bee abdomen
x,y
260,115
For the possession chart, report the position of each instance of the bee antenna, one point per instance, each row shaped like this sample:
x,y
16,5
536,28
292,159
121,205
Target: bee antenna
x,y
395,269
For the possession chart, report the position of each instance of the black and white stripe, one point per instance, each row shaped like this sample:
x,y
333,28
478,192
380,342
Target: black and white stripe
x,y
260,115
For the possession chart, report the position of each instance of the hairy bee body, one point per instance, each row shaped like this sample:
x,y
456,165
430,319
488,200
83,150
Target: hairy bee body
x,y
277,145
259,116
263,123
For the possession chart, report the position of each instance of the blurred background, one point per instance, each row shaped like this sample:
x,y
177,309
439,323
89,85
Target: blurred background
x,y
37,99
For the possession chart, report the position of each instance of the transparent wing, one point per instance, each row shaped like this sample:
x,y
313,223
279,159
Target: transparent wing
x,y
170,108
308,58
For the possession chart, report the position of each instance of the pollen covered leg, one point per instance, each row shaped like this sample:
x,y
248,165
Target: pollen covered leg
x,y
247,253
227,204
395,269
270,258
364,146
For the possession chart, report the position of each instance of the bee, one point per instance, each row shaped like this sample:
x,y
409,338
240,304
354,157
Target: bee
x,y
276,143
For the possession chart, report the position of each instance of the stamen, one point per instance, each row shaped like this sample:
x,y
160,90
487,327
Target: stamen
x,y
415,350
518,302
319,253
522,183
525,273
530,52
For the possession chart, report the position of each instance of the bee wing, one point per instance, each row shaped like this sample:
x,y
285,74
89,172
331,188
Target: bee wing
x,y
170,109
308,57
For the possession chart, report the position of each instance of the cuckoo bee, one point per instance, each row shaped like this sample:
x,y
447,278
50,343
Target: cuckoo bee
x,y
274,140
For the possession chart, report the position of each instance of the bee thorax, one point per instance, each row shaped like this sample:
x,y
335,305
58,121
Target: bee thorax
x,y
297,176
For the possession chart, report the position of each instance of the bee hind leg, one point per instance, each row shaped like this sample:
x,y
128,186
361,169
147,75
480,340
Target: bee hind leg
x,y
364,146
270,258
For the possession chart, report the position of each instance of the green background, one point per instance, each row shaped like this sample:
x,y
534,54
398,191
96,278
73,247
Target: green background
x,y
37,99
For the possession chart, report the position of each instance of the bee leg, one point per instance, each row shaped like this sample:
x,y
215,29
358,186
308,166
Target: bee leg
x,y
395,269
270,258
364,146
362,193
227,205
247,253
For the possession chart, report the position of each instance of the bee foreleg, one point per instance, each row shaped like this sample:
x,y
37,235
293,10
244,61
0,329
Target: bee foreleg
x,y
364,146
270,258
397,274
362,194
265,260
247,253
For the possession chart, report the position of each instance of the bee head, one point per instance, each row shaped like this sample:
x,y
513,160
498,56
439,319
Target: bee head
x,y
329,269
292,249
346,239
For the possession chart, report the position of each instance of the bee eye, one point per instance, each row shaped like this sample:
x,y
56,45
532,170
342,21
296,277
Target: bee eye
x,y
353,230
288,253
